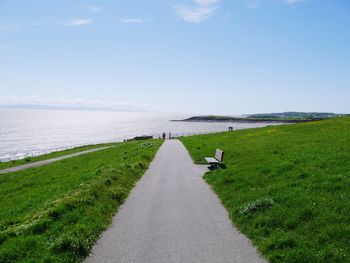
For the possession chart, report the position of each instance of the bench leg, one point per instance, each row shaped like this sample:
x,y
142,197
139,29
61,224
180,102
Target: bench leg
x,y
213,166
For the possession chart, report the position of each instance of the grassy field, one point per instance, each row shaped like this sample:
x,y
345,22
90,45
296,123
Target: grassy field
x,y
55,213
4,165
286,187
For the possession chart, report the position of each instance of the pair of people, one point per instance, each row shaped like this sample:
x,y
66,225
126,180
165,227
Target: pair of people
x,y
164,135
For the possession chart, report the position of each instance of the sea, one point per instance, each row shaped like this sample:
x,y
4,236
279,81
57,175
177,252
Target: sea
x,y
32,132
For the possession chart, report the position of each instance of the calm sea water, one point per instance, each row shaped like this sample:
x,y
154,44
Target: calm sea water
x,y
42,131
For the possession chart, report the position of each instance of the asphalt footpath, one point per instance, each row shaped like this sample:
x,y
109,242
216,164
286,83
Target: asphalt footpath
x,y
44,162
172,215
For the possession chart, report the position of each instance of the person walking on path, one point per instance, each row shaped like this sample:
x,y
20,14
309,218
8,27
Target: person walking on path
x,y
164,134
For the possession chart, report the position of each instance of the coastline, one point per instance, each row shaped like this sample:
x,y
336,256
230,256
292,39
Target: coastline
x,y
242,120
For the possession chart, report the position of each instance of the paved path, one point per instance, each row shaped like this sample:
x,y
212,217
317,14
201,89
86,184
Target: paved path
x,y
172,216
41,163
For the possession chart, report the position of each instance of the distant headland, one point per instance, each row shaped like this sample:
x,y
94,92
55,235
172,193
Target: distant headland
x,y
283,117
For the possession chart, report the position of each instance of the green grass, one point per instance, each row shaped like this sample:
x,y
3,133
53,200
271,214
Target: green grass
x,y
55,213
4,165
286,187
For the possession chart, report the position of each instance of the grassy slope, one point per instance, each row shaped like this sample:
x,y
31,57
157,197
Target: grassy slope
x,y
286,187
55,213
4,165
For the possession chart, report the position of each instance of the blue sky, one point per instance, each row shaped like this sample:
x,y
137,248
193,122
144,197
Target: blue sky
x,y
191,56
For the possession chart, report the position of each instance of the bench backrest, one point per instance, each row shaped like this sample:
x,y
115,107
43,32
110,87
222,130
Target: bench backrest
x,y
219,155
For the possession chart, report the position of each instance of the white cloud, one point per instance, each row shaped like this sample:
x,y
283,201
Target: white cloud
x,y
207,2
78,22
131,20
199,12
71,103
95,9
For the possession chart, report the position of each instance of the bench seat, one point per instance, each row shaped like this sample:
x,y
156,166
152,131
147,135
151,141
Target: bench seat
x,y
211,160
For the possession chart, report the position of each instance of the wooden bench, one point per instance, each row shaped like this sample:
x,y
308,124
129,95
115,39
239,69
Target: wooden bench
x,y
214,162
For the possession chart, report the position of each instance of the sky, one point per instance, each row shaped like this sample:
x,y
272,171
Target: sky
x,y
189,56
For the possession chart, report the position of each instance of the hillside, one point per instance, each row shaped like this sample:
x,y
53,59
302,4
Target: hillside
x,y
284,117
286,187
297,115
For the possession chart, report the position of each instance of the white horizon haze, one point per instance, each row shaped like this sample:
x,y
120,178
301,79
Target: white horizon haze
x,y
36,102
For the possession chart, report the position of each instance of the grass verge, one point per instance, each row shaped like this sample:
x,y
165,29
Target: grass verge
x,y
4,165
286,187
56,212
